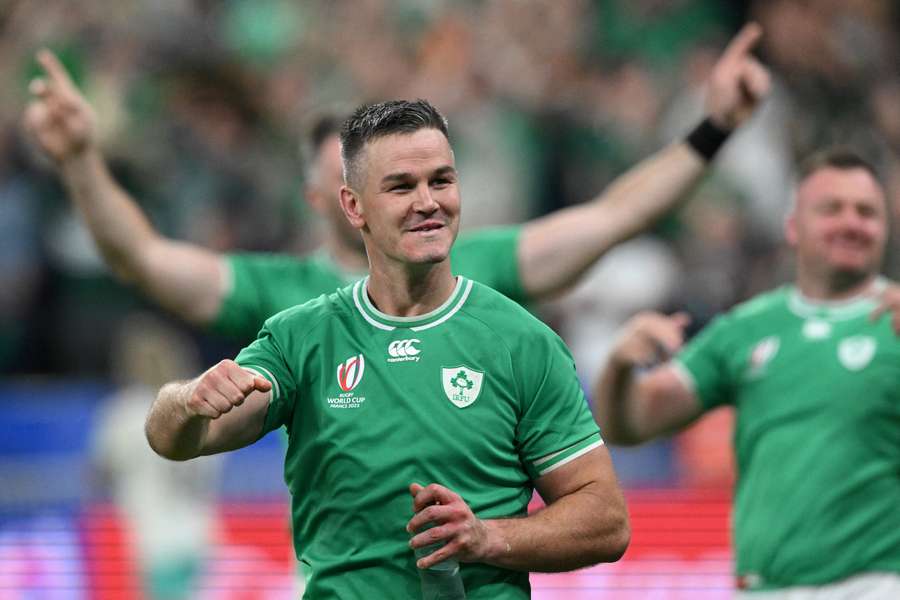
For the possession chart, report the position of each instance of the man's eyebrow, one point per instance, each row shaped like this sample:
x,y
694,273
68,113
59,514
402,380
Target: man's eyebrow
x,y
445,170
402,176
405,176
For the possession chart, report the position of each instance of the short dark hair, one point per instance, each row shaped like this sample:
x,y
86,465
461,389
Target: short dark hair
x,y
836,157
372,121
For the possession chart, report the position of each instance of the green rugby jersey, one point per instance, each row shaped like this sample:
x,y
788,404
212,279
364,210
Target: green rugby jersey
x,y
817,437
265,284
477,395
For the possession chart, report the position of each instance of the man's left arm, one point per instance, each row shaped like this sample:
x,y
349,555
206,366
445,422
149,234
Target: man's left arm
x,y
585,522
554,251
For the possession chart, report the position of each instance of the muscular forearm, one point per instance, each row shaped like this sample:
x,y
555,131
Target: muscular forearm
x,y
121,231
577,530
557,250
612,401
638,198
186,279
171,431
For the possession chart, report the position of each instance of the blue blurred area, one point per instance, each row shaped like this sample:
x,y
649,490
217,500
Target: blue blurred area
x,y
45,448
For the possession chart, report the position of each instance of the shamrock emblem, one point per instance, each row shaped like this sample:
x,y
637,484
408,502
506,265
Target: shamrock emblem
x,y
461,381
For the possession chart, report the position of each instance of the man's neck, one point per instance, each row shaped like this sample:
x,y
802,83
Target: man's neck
x,y
350,259
410,290
834,289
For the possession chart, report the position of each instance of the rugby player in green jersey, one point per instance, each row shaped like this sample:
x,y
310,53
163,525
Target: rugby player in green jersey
x,y
412,397
235,293
815,381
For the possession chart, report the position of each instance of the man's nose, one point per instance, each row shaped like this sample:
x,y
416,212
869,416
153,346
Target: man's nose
x,y
424,201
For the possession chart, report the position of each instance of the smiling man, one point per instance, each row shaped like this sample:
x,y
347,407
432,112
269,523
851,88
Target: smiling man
x,y
487,408
816,385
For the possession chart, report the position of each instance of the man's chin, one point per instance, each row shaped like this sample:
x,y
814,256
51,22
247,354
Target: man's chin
x,y
430,258
849,276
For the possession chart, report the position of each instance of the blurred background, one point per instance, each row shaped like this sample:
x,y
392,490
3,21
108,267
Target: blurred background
x,y
201,106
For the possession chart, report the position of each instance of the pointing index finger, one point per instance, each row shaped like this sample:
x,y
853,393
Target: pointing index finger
x,y
743,42
55,70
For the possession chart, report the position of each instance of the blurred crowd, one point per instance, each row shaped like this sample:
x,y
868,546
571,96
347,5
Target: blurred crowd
x,y
202,105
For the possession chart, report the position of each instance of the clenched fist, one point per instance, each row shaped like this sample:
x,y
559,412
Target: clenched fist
x,y
223,387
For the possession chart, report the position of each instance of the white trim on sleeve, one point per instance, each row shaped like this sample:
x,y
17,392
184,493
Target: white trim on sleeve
x,y
685,375
265,374
567,459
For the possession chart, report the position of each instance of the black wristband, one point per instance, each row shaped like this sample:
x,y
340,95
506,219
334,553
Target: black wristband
x,y
707,138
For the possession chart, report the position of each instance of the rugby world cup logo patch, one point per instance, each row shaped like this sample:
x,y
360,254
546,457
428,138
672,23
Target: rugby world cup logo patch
x,y
350,372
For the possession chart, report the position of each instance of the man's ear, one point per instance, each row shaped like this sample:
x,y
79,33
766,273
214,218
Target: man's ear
x,y
352,207
790,229
314,199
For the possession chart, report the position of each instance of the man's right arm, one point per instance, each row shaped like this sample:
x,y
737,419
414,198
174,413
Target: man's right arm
x,y
222,409
184,278
631,408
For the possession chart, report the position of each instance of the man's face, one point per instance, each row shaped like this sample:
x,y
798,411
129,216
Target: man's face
x,y
323,193
839,225
408,207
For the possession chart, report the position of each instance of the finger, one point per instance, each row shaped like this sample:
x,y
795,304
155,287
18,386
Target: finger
x,y
433,494
261,384
429,537
435,514
204,409
242,379
440,555
681,319
755,80
35,116
218,399
741,44
38,87
895,323
878,311
415,488
669,340
55,70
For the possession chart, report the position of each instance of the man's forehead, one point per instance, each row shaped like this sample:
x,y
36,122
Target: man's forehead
x,y
420,146
832,182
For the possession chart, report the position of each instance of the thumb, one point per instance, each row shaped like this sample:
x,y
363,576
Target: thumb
x,y
681,319
261,384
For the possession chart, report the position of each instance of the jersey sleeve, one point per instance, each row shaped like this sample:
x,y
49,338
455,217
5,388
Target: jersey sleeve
x,y
556,426
491,257
703,364
266,357
244,308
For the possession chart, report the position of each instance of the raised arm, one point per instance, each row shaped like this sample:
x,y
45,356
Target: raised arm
x,y
585,522
556,250
630,408
222,409
186,279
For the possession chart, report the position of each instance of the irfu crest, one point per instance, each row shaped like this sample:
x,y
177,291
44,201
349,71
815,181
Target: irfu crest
x,y
856,352
462,385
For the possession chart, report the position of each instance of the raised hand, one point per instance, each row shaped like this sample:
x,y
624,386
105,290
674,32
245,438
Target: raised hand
x,y
223,387
648,338
58,118
738,82
889,302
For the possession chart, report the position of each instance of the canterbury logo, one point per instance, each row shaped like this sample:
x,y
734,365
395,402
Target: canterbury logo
x,y
403,350
350,372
